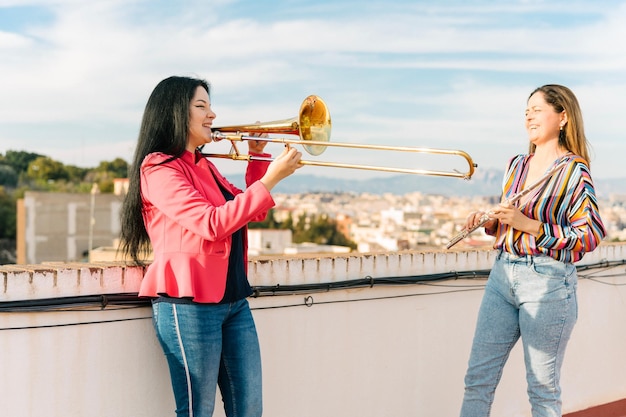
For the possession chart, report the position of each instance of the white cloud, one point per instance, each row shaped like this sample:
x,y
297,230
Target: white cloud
x,y
449,75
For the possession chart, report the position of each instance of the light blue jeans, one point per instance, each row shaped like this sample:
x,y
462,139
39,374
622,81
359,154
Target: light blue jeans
x,y
211,345
533,297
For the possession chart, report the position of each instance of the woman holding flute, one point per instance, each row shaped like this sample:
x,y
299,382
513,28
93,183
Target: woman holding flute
x,y
531,290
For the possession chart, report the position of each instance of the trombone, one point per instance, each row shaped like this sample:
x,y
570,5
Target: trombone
x,y
313,126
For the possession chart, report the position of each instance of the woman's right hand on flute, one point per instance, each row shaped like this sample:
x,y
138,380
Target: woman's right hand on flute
x,y
475,219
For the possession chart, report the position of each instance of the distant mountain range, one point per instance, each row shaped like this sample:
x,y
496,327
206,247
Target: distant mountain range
x,y
484,183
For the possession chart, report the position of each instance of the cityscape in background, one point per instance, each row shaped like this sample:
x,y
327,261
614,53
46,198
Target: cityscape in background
x,y
71,227
416,221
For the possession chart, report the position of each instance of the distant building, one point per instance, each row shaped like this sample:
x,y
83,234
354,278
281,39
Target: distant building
x,y
309,247
279,242
65,227
120,186
268,241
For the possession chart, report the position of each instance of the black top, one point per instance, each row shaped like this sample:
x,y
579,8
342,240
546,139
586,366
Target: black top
x,y
237,285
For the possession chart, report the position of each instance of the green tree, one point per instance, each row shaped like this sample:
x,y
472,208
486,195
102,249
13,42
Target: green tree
x,y
299,228
288,223
8,212
19,160
47,169
106,186
317,229
118,168
76,174
8,176
321,230
268,223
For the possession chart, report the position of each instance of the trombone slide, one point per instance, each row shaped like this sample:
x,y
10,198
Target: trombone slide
x,y
312,144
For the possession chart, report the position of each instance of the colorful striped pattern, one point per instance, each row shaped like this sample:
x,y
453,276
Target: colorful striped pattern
x,y
566,204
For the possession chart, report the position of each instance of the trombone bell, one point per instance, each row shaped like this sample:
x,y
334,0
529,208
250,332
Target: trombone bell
x,y
312,125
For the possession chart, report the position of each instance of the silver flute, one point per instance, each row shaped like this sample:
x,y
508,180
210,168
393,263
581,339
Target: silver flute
x,y
514,199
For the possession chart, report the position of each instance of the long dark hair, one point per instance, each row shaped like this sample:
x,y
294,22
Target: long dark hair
x,y
164,128
572,137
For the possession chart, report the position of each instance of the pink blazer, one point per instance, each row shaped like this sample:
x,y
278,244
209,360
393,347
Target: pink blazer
x,y
190,223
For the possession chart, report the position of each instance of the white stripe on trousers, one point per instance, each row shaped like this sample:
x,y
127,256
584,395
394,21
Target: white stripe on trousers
x,y
182,351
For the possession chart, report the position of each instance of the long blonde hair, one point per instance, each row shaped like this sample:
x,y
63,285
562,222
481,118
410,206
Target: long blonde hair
x,y
572,137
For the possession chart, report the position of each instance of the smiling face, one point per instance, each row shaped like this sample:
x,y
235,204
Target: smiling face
x,y
200,120
543,122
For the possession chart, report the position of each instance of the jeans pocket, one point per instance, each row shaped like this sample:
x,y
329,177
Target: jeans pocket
x,y
553,280
550,268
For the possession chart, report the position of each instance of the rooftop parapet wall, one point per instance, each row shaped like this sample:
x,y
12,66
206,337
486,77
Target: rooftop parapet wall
x,y
60,279
388,349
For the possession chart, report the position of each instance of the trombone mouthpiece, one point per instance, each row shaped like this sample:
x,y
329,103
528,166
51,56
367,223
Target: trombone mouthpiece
x,y
217,136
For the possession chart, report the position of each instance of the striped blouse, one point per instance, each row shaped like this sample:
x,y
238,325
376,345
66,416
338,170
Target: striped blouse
x,y
565,203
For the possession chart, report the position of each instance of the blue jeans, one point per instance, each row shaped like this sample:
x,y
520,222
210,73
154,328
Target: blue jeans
x,y
211,345
533,297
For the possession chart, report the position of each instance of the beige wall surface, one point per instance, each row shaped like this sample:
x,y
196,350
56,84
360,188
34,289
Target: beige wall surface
x,y
61,226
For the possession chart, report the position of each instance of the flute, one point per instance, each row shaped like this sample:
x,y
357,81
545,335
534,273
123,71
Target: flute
x,y
514,198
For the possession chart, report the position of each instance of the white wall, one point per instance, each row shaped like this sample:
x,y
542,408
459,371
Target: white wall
x,y
368,352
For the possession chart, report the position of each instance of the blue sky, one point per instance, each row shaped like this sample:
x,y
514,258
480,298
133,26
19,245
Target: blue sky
x,y
448,74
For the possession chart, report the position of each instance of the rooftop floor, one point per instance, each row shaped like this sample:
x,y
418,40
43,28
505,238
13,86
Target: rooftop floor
x,y
614,409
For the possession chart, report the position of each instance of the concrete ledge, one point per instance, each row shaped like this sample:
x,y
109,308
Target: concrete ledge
x,y
58,279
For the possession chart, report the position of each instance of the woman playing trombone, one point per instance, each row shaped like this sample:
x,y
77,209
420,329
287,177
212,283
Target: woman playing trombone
x,y
195,221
